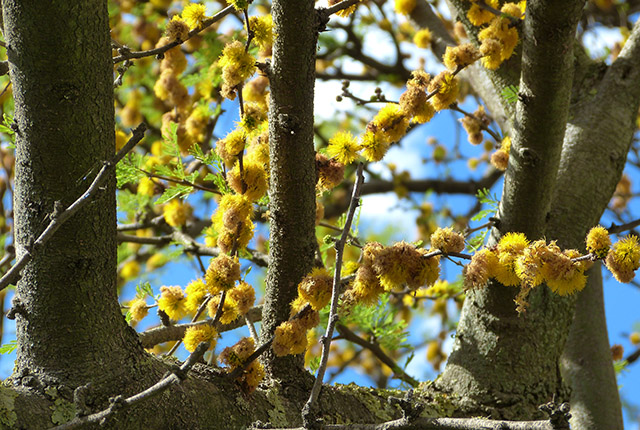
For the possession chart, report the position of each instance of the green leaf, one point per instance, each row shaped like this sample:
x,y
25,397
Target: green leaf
x,y
510,94
314,364
173,192
8,348
482,214
144,289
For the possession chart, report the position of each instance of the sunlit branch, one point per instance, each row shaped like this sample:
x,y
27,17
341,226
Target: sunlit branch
x,y
349,335
60,215
126,54
308,412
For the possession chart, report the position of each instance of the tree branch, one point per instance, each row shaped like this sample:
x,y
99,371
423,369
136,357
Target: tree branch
x,y
119,403
59,215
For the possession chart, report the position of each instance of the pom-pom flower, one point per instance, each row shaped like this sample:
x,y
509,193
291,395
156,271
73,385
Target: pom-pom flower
x,y
234,356
330,172
195,335
343,147
483,266
138,309
316,288
500,158
237,64
177,29
176,212
194,15
624,259
196,292
290,338
262,27
447,89
447,240
172,302
510,247
460,56
229,309
598,242
391,122
374,146
479,16
253,181
222,273
422,38
404,7
244,296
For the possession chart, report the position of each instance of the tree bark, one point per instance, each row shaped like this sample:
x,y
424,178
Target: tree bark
x,y
292,240
69,326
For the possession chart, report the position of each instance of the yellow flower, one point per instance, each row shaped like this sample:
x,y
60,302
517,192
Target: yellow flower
x,y
483,266
366,287
624,259
202,333
138,309
330,172
177,29
252,183
176,212
229,309
405,7
146,187
290,338
447,90
196,292
130,270
316,288
222,274
172,302
344,147
237,64
478,16
460,56
598,241
447,240
422,38
231,146
244,297
262,27
391,122
373,146
194,15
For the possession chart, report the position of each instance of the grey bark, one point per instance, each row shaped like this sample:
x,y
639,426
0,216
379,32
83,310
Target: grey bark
x,y
69,326
292,239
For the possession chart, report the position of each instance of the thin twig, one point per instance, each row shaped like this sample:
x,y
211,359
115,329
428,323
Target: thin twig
x,y
119,403
59,216
349,335
308,412
615,229
125,54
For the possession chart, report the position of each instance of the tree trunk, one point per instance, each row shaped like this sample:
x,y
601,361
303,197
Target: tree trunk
x,y
69,326
292,207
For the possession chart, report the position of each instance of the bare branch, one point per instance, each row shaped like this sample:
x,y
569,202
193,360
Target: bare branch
x,y
59,215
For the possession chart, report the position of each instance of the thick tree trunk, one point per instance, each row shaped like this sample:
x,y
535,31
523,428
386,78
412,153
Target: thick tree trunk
x,y
292,189
69,326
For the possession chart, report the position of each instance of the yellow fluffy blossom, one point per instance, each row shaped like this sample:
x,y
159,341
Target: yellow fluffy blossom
x,y
412,100
172,302
196,292
366,287
252,182
237,64
290,338
405,7
232,222
176,212
447,89
177,29
330,172
447,240
231,146
244,296
568,276
130,269
146,187
424,113
316,288
234,356
222,274
598,242
483,266
624,259
391,122
500,158
196,124
374,146
195,335
422,38
479,16
419,79
529,266
343,146
229,309
255,114
262,27
501,31
138,309
461,56
510,247
194,15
